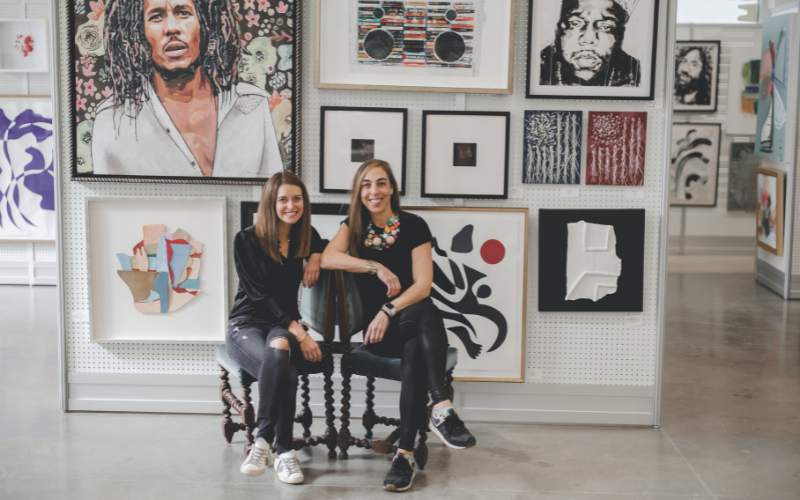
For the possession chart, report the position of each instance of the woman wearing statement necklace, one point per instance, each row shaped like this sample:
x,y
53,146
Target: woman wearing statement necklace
x,y
390,252
264,336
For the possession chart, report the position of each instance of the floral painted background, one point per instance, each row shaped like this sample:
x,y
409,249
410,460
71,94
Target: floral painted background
x,y
267,31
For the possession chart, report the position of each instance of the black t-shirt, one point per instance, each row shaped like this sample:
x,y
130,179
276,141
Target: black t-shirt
x,y
414,232
268,290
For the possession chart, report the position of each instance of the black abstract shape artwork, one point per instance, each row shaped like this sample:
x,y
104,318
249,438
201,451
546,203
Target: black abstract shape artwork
x,y
462,241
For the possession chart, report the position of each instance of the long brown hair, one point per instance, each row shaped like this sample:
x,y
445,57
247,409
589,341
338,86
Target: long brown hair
x,y
359,214
267,223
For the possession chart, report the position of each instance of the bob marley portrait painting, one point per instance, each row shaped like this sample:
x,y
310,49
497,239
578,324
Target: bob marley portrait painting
x,y
184,90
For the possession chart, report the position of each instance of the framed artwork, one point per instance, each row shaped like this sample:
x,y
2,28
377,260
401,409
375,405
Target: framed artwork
x,y
217,101
23,46
696,76
591,260
351,136
27,182
769,210
465,154
146,281
694,167
411,45
615,148
742,177
552,148
743,73
619,62
479,286
774,112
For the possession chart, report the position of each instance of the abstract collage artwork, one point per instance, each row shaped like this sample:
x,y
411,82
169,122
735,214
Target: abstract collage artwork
x,y
616,148
236,65
163,274
743,79
27,185
417,34
694,164
552,153
742,177
774,87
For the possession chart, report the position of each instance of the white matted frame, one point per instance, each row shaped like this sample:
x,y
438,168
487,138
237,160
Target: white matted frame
x,y
694,171
24,46
337,49
493,292
114,225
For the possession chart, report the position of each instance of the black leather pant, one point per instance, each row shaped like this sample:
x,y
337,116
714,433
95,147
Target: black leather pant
x,y
276,370
417,336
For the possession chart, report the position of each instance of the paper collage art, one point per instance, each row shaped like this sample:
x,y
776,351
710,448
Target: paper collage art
x,y
592,263
27,188
163,274
773,87
553,149
616,148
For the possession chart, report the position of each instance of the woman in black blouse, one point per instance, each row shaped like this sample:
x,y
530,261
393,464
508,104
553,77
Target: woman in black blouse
x,y
390,250
264,336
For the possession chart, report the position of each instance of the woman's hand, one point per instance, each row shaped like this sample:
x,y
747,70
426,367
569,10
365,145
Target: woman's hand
x,y
308,346
311,271
390,280
377,329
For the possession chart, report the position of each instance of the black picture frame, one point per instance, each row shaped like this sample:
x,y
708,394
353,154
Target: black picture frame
x,y
295,86
425,115
586,90
629,229
325,109
718,127
714,81
249,208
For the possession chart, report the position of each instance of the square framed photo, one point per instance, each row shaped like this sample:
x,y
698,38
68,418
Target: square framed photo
x,y
693,172
218,104
350,136
696,76
465,154
23,46
769,210
619,65
412,45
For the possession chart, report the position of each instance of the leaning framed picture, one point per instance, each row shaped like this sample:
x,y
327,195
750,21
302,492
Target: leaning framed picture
x,y
769,210
696,76
694,167
618,63
465,154
412,45
214,100
480,284
350,136
157,269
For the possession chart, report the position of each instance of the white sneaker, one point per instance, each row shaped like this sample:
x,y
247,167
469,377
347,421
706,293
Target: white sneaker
x,y
288,468
257,460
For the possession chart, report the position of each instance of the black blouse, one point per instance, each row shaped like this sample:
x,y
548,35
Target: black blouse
x,y
268,290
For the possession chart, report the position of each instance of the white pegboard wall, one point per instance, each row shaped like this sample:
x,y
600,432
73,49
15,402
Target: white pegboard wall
x,y
16,252
578,348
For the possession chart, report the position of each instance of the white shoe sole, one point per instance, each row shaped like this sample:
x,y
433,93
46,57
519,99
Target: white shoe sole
x,y
291,481
391,487
439,435
250,472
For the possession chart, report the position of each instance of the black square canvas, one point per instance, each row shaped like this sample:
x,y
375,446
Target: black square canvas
x,y
362,150
628,227
465,154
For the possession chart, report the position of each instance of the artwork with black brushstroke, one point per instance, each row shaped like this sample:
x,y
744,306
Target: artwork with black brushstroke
x,y
694,165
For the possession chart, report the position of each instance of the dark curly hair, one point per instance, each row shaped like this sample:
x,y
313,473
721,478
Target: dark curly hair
x,y
128,52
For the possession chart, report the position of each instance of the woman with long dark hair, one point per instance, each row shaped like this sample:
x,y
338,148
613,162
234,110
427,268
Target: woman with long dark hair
x,y
264,336
390,252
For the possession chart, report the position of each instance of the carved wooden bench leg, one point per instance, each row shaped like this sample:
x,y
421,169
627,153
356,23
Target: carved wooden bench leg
x,y
228,427
368,419
331,435
248,415
305,417
344,432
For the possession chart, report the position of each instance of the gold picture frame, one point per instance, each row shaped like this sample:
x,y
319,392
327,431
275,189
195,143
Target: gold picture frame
x,y
770,185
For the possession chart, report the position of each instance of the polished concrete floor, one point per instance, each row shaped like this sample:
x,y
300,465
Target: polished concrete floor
x,y
731,425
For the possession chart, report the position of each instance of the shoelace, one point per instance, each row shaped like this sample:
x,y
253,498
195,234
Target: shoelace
x,y
291,465
454,424
256,455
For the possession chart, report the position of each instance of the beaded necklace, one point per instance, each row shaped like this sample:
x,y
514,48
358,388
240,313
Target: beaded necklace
x,y
386,238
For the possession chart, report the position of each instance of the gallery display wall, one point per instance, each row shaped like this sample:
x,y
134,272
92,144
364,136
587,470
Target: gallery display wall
x,y
580,366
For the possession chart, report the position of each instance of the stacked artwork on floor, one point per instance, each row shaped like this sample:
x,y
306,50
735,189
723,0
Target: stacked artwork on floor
x,y
615,148
552,153
694,165
742,177
163,274
27,184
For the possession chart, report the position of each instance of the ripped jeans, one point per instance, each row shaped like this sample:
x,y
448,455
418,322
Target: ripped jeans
x,y
248,343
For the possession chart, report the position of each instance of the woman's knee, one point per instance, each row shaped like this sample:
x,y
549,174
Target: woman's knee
x,y
279,343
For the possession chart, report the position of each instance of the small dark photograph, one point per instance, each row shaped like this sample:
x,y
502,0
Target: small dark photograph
x,y
465,154
362,150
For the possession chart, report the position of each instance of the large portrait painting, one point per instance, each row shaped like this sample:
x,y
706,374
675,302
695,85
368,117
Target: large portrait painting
x,y
592,49
696,76
184,90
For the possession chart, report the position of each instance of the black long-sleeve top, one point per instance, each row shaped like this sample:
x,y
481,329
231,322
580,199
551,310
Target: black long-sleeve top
x,y
268,290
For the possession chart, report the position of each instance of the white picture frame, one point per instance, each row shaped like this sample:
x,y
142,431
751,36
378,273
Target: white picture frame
x,y
114,225
491,71
24,46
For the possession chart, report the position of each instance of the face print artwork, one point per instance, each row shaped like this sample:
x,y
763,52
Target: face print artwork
x,y
616,148
552,153
183,88
696,75
693,172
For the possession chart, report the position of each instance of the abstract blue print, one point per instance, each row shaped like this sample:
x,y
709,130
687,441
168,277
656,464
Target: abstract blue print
x,y
552,152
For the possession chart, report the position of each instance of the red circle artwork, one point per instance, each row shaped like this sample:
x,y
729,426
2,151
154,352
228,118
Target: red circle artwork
x,y
492,251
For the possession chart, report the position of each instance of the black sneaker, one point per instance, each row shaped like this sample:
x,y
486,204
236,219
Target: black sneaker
x,y
451,430
402,473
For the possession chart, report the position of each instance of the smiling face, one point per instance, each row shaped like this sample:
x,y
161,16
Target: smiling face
x,y
589,36
289,205
376,191
173,31
690,67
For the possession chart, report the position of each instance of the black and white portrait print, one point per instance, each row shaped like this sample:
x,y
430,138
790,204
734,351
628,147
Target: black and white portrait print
x,y
603,44
696,75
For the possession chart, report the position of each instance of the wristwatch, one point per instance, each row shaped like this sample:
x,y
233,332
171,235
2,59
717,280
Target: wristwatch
x,y
389,307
